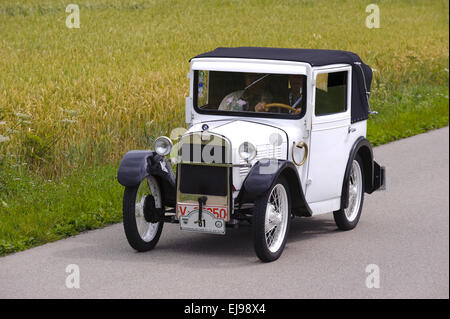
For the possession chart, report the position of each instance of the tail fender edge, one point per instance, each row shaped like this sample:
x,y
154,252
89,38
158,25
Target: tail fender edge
x,y
373,173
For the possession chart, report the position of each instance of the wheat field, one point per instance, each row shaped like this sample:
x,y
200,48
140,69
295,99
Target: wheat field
x,y
76,97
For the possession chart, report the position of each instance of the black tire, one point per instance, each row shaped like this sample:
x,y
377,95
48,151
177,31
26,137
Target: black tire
x,y
130,225
340,216
259,221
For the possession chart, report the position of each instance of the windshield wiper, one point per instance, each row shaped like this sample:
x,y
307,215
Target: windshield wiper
x,y
254,82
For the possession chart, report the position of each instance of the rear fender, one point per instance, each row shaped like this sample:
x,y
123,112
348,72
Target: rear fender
x,y
373,173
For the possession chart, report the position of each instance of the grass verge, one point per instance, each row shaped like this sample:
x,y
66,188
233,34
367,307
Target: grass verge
x,y
407,111
34,211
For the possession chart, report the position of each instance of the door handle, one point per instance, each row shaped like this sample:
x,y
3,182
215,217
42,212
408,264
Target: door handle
x,y
351,129
300,145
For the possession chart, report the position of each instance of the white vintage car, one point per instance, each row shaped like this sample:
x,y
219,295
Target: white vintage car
x,y
272,134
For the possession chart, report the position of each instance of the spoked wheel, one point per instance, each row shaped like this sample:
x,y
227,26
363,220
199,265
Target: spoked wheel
x,y
139,216
271,221
348,218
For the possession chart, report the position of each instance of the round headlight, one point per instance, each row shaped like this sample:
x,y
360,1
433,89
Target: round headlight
x,y
163,145
247,151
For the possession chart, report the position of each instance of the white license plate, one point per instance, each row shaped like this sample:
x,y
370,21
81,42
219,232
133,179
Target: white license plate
x,y
213,218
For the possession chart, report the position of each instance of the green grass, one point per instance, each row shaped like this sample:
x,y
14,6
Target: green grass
x,y
408,111
34,210
73,101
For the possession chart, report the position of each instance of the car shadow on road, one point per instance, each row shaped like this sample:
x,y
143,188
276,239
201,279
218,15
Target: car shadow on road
x,y
307,228
194,249
237,246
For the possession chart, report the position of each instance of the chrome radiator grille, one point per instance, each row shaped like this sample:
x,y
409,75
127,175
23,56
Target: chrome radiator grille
x,y
212,148
203,179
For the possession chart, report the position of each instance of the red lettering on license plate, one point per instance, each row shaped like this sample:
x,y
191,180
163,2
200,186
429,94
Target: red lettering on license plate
x,y
220,212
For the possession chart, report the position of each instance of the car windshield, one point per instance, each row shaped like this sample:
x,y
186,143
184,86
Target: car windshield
x,y
250,93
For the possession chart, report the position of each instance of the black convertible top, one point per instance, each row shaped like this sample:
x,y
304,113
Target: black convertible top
x,y
361,73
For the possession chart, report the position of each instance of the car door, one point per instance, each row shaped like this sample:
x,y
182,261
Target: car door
x,y
329,140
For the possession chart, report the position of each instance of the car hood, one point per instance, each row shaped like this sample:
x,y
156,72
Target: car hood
x,y
270,141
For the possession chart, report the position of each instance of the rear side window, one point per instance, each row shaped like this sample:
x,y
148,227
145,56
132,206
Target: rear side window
x,y
331,93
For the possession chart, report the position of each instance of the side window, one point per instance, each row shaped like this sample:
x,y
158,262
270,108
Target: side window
x,y
331,93
202,91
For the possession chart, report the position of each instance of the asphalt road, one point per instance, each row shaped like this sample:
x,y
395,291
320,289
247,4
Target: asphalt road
x,y
404,232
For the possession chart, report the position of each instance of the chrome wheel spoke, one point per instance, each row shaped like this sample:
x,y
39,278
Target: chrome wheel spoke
x,y
270,235
354,191
276,218
149,187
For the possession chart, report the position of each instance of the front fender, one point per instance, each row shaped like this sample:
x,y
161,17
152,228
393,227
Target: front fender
x,y
133,167
264,174
137,165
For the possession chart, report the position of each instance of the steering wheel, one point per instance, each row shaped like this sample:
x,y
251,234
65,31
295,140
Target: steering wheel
x,y
282,105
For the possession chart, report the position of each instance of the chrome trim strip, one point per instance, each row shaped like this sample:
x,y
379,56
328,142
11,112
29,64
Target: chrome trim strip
x,y
217,164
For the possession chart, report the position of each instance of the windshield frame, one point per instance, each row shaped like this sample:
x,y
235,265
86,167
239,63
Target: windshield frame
x,y
245,114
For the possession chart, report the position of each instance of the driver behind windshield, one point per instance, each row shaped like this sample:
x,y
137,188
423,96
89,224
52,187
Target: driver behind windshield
x,y
295,96
296,93
252,98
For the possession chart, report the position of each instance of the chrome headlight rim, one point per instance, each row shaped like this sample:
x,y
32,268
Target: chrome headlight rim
x,y
163,145
247,151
